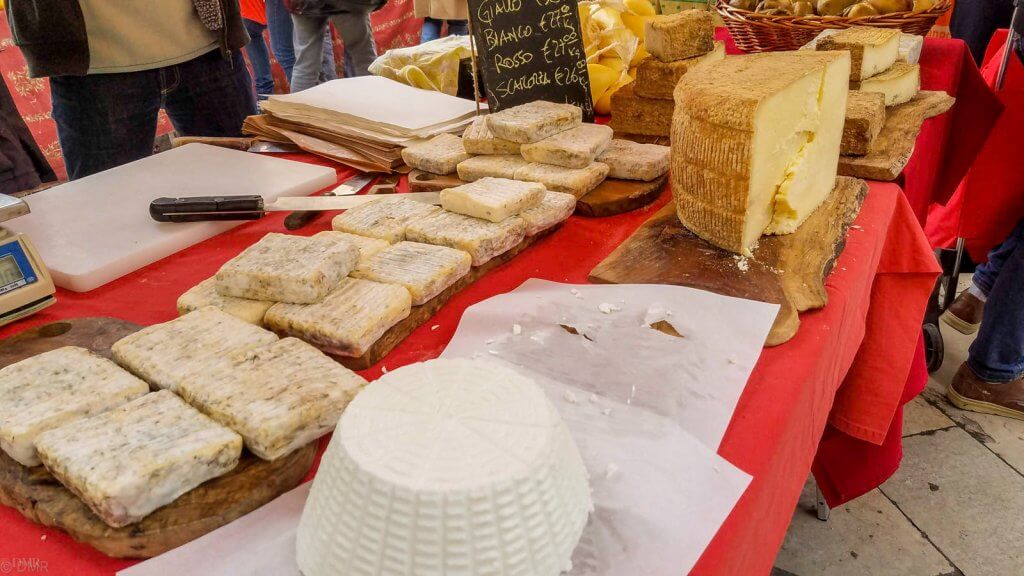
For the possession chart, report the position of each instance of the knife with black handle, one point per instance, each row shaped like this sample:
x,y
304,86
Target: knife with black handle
x,y
213,208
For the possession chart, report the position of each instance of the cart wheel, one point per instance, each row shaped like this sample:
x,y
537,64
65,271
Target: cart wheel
x,y
934,349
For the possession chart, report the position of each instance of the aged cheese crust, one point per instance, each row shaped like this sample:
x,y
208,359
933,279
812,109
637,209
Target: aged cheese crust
x,y
630,160
278,398
478,139
493,199
54,388
482,239
679,36
349,321
424,269
129,461
632,114
556,207
439,155
366,245
574,148
865,116
385,219
205,294
287,268
872,50
898,84
534,121
575,181
657,79
477,167
167,354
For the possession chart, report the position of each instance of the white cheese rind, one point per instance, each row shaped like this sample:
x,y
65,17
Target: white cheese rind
x,y
287,268
439,155
446,467
278,398
482,239
898,84
424,269
534,121
574,148
385,219
630,160
872,50
205,294
167,354
54,388
366,245
556,207
575,181
348,321
478,167
143,455
493,199
478,139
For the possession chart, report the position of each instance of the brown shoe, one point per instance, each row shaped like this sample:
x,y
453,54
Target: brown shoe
x,y
968,392
964,314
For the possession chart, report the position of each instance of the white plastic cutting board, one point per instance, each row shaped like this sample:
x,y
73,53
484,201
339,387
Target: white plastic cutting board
x,y
96,229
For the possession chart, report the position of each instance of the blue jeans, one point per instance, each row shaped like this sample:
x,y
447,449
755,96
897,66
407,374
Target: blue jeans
x,y
105,120
985,274
279,21
432,29
997,355
356,33
256,49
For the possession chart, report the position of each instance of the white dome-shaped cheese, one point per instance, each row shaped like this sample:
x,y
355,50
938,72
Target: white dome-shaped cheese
x,y
447,468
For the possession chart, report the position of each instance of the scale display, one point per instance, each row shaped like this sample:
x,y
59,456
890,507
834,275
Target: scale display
x,y
13,267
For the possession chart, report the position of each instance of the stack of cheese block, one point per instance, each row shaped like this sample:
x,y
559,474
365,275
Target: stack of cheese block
x,y
878,79
755,143
539,142
911,45
219,383
446,467
677,43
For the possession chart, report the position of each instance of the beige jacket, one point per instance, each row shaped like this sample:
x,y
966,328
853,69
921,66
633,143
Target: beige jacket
x,y
441,9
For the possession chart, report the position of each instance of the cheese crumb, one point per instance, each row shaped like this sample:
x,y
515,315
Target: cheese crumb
x,y
611,471
569,397
742,262
576,293
607,308
593,397
43,537
606,411
493,352
732,359
383,369
435,327
517,329
856,227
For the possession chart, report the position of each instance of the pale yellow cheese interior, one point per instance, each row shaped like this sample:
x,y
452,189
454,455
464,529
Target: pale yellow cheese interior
x,y
899,84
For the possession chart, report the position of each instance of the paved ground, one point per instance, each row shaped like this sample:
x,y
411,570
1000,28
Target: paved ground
x,y
955,507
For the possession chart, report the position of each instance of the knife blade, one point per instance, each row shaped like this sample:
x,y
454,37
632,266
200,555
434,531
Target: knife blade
x,y
353,185
252,207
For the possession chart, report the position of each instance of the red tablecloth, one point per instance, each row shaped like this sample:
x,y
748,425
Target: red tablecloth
x,y
776,427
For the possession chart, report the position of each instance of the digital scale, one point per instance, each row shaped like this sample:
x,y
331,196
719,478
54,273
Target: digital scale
x,y
25,283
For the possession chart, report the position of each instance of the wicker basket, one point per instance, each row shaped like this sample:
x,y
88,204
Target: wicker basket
x,y
756,32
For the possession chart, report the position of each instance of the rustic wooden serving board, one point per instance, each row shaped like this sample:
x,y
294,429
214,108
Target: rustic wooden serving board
x,y
40,498
787,270
894,145
611,197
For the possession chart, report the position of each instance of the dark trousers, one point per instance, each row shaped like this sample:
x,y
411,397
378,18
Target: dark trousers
x,y
259,57
974,22
105,120
997,355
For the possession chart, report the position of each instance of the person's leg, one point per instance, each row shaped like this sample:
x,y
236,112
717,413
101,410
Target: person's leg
x,y
309,45
256,50
208,96
458,28
974,22
279,22
329,70
357,35
105,120
965,313
431,30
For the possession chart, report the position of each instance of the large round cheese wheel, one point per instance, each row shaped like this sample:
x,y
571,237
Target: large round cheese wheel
x,y
447,467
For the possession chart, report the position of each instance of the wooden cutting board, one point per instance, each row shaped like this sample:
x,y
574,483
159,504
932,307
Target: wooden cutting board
x,y
894,145
40,498
611,197
787,270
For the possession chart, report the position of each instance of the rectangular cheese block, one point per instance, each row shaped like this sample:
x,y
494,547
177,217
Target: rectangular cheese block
x,y
424,269
755,143
493,199
165,355
287,268
574,148
482,239
657,79
205,294
56,387
575,181
865,116
680,36
632,114
898,84
503,166
278,398
534,121
439,155
630,160
872,50
385,219
556,207
127,462
348,321
478,139
366,245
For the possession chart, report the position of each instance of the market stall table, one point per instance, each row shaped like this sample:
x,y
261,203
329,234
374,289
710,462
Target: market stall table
x,y
775,430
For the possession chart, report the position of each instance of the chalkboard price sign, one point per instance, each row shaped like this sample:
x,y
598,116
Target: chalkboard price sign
x,y
531,50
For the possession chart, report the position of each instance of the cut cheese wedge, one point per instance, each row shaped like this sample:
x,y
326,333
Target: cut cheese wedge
x,y
679,36
755,143
872,50
657,79
482,239
492,199
205,294
424,269
865,116
898,84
